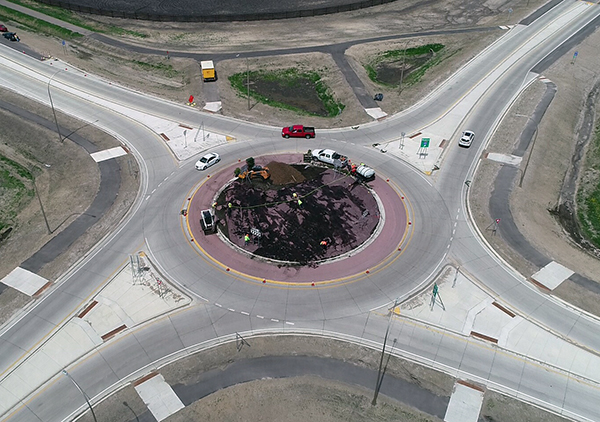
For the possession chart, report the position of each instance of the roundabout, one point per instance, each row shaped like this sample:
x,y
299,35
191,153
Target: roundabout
x,y
407,248
363,226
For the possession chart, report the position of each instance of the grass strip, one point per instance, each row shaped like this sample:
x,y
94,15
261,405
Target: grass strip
x,y
70,17
37,25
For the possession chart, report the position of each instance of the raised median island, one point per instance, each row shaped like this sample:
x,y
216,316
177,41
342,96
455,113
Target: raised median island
x,y
299,214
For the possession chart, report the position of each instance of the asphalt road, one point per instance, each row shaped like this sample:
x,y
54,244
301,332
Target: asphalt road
x,y
441,231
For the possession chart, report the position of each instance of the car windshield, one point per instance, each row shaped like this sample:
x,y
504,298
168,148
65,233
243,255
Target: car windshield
x,y
204,159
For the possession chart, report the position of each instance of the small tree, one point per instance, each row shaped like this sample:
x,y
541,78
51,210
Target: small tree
x,y
250,163
237,172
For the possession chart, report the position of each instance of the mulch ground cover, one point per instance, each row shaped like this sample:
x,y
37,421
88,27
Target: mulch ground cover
x,y
333,207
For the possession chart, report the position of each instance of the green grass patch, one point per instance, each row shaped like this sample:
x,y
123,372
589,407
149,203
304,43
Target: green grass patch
x,y
14,193
70,17
413,51
165,69
415,60
588,194
293,84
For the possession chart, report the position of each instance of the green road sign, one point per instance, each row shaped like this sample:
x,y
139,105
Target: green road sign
x,y
435,290
425,142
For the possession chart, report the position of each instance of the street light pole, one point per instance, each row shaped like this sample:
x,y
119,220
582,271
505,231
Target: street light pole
x,y
381,373
52,105
85,396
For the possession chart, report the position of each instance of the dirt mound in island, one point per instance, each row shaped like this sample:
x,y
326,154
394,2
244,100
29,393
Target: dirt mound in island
x,y
294,219
284,174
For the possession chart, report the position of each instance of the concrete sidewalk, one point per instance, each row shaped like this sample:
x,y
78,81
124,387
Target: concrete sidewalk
x,y
136,294
462,307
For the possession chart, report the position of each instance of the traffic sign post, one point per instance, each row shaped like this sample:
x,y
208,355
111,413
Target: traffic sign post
x,y
423,148
435,296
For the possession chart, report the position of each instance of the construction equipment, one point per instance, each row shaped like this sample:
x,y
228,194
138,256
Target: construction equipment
x,y
208,70
256,172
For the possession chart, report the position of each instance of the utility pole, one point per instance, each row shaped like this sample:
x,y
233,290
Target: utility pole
x,y
380,372
85,396
52,105
248,82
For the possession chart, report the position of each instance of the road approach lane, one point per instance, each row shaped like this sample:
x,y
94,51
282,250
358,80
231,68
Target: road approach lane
x,y
107,257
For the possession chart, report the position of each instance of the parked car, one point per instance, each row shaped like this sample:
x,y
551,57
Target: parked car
x,y
298,131
466,139
207,221
208,160
3,28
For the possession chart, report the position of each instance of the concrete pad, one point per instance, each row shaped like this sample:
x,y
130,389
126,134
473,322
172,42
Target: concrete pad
x,y
24,281
159,397
512,160
213,107
465,403
375,113
459,300
408,149
552,275
490,321
106,316
107,154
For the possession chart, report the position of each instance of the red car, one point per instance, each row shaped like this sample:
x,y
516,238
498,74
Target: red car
x,y
298,131
3,28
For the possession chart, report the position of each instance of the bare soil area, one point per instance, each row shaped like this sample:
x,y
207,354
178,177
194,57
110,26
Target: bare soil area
x,y
548,164
67,180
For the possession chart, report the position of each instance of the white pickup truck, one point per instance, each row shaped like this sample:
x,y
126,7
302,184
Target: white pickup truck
x,y
329,156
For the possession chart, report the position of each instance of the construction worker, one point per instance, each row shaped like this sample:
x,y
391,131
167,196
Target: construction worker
x,y
299,203
214,205
353,169
323,244
295,195
246,239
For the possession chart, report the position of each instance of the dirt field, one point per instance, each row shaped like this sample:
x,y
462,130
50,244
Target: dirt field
x,y
544,176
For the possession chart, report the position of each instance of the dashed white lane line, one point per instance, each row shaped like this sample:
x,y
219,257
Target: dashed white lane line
x,y
244,313
153,190
274,320
260,316
231,310
289,323
219,305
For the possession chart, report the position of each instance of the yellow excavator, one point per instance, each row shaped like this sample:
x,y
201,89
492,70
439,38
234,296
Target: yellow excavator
x,y
256,172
